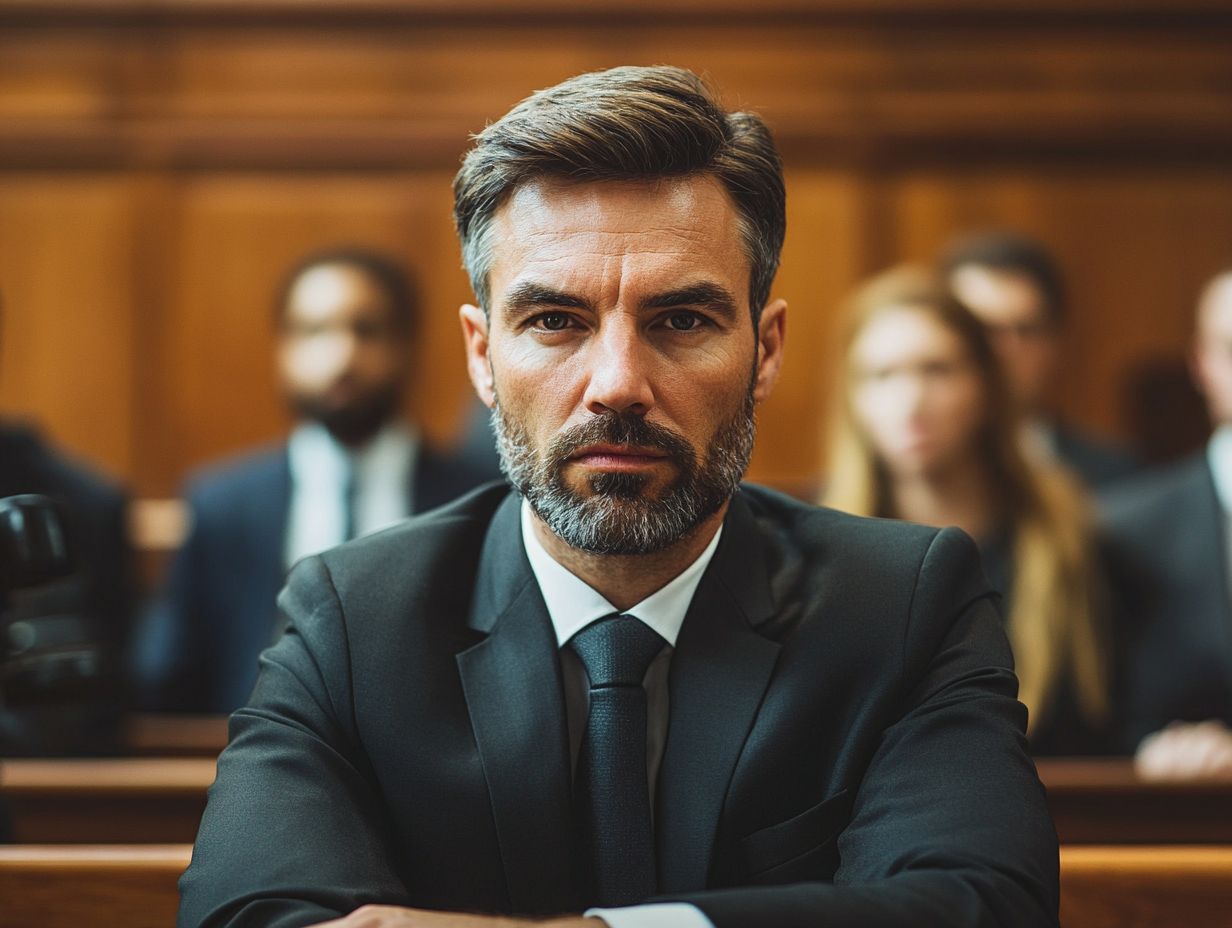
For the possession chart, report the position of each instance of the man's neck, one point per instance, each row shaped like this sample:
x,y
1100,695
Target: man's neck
x,y
625,580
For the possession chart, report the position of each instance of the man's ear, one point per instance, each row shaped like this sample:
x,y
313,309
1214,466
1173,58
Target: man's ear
x,y
771,331
478,364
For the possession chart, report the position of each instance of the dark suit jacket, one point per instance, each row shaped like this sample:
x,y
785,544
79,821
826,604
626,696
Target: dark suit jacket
x,y
844,746
1097,463
200,641
1167,551
97,599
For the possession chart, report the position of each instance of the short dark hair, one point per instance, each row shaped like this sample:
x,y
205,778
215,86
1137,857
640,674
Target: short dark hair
x,y
1013,253
627,123
390,277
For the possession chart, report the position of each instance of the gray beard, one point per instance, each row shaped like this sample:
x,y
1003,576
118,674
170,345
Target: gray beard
x,y
618,518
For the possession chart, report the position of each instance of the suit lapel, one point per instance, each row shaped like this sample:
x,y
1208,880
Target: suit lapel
x,y
1213,559
515,696
720,670
268,517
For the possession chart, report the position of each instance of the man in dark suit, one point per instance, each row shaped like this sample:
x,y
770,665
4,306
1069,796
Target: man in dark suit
x,y
1016,288
632,684
1168,542
351,466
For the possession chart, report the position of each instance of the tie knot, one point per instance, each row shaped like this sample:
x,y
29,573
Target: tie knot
x,y
617,650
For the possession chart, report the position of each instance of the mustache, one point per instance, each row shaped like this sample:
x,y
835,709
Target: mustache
x,y
617,428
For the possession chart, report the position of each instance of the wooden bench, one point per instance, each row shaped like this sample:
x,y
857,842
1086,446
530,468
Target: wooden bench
x,y
135,886
112,801
1151,887
175,735
160,800
1104,802
77,885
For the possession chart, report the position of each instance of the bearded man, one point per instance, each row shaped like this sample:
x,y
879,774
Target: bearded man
x,y
345,320
632,691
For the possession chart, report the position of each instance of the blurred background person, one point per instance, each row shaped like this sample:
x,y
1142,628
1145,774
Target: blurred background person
x,y
1170,544
61,684
925,430
1016,289
352,465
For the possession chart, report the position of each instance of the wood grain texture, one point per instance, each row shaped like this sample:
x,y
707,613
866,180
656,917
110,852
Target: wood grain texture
x,y
162,161
66,887
1163,887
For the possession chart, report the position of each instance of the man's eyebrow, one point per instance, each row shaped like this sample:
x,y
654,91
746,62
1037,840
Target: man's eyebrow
x,y
531,295
719,299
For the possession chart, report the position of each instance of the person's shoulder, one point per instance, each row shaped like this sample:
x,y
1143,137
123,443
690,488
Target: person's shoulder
x,y
1098,461
1154,494
422,549
58,473
831,531
239,475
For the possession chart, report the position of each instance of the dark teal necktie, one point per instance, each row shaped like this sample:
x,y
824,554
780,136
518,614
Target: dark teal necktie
x,y
614,829
350,494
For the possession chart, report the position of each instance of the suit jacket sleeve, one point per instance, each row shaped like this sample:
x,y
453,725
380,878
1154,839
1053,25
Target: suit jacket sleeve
x,y
949,825
292,833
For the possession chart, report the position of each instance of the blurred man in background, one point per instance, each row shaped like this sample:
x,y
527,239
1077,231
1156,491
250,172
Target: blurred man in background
x,y
345,320
1170,543
1017,290
61,689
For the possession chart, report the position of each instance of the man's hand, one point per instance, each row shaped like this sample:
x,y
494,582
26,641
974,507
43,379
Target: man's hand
x,y
1186,751
389,916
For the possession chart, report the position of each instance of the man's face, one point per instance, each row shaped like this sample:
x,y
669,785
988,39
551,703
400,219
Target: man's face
x,y
1025,338
1213,349
341,359
619,357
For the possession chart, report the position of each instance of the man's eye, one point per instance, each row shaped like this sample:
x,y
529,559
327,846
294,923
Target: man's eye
x,y
552,322
684,322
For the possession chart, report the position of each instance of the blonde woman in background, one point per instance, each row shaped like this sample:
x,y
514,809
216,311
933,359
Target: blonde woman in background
x,y
925,430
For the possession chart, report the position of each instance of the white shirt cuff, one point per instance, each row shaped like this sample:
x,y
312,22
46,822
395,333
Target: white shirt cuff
x,y
656,915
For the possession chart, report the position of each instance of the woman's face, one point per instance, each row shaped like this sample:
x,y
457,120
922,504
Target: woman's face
x,y
916,393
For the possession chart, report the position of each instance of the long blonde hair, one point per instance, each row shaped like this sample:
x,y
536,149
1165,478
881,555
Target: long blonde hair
x,y
1052,614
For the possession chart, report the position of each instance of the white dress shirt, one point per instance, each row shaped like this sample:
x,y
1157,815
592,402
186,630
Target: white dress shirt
x,y
321,472
573,605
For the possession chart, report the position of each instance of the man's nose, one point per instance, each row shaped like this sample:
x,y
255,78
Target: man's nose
x,y
618,370
338,353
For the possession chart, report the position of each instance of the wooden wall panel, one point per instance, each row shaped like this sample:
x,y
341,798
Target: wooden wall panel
x,y
161,162
66,322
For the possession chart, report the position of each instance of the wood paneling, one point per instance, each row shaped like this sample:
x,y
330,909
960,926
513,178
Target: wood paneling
x,y
66,281
161,162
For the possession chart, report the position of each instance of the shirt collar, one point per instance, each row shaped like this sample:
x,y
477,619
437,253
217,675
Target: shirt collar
x,y
1219,456
573,604
317,459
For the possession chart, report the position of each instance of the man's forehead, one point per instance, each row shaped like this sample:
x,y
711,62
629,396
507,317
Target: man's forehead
x,y
569,230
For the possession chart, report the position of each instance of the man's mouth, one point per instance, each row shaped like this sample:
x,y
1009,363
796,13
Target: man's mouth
x,y
618,457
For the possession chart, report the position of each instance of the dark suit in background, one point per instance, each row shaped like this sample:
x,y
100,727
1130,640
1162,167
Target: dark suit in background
x,y
1167,547
201,640
844,747
1098,463
88,612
